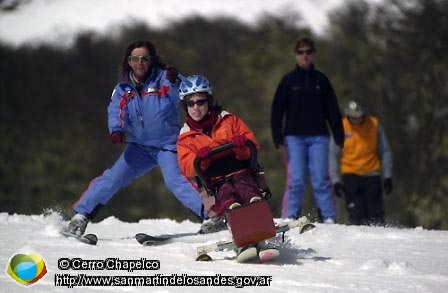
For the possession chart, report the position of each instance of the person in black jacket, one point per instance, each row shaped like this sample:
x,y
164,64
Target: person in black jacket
x,y
303,105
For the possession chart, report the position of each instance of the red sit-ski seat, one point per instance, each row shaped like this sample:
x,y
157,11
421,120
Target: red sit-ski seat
x,y
249,223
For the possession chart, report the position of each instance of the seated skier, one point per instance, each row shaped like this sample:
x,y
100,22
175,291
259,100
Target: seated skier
x,y
208,126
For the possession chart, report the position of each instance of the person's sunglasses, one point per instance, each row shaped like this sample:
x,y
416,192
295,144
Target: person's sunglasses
x,y
138,58
198,102
307,51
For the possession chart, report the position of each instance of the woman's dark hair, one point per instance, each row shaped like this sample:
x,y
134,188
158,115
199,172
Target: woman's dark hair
x,y
155,59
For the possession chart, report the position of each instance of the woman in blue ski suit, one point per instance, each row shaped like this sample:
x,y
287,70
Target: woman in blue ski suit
x,y
143,112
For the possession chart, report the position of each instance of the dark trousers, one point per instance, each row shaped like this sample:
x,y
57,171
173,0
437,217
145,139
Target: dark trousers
x,y
364,199
237,188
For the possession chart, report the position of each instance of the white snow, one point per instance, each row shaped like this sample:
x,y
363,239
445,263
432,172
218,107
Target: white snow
x,y
330,258
58,21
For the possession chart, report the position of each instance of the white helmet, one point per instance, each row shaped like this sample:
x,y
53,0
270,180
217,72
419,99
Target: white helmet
x,y
194,84
353,109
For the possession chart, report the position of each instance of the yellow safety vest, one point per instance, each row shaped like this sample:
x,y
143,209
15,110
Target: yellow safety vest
x,y
360,153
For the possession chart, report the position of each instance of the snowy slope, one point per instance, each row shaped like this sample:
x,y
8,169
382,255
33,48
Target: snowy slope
x,y
330,258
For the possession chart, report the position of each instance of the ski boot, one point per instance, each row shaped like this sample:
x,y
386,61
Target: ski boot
x,y
267,252
246,254
76,227
213,225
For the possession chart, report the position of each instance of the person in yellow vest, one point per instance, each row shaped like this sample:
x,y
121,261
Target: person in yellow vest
x,y
362,170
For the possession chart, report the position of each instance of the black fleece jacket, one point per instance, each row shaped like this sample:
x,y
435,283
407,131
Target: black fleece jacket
x,y
303,105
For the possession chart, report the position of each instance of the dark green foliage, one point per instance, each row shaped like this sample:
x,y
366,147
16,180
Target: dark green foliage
x,y
53,122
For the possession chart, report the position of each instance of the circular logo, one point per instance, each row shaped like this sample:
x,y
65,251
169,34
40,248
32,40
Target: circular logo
x,y
26,267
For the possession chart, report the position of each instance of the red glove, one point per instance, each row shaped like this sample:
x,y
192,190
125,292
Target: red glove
x,y
164,90
204,152
239,140
171,73
205,163
117,137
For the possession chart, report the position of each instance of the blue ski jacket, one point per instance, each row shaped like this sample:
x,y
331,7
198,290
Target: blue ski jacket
x,y
148,115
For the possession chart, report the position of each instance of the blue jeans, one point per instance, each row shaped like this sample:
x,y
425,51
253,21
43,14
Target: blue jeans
x,y
307,153
134,162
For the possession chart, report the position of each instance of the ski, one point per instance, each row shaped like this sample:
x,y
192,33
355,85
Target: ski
x,y
303,224
149,240
90,239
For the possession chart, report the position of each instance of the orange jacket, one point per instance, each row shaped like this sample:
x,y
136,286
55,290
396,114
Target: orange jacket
x,y
360,154
190,140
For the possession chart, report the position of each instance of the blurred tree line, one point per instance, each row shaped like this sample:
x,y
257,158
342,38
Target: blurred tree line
x,y
53,127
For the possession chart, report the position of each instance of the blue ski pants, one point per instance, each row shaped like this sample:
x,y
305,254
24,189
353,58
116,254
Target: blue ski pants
x,y
307,154
134,162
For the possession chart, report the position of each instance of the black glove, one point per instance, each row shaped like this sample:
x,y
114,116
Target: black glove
x,y
388,186
338,189
171,73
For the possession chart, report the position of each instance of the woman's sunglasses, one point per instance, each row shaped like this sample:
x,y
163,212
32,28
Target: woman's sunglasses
x,y
198,102
138,58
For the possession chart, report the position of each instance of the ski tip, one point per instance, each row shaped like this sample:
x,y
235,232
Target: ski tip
x,y
203,257
307,227
91,239
140,237
149,240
